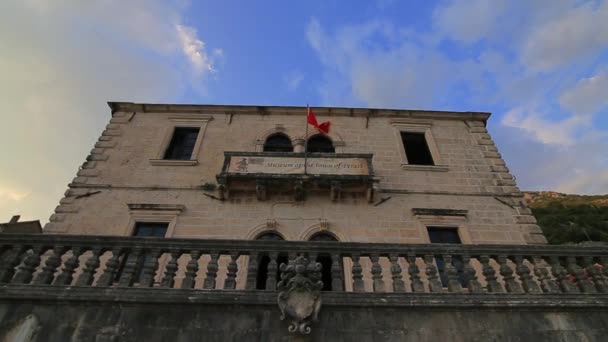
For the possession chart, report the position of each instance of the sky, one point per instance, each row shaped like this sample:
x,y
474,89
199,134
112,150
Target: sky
x,y
539,66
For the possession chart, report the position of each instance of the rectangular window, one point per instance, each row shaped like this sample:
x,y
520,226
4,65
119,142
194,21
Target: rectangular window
x,y
447,235
182,143
416,148
444,235
150,229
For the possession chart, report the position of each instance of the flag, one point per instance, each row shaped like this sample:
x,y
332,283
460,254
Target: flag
x,y
312,120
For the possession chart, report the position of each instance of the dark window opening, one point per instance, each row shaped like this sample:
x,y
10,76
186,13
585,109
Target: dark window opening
x,y
416,149
278,143
447,235
182,143
143,229
325,260
264,260
320,143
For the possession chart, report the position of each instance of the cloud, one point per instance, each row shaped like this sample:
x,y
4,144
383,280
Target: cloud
x,y
542,128
293,79
588,95
383,67
577,33
194,49
468,21
60,63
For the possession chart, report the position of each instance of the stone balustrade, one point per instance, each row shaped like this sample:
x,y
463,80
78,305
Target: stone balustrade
x,y
123,262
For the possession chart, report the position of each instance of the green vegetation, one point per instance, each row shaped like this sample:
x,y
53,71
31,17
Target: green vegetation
x,y
570,218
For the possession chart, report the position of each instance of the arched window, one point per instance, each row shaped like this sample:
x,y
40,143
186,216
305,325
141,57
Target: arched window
x,y
325,260
320,143
278,142
264,260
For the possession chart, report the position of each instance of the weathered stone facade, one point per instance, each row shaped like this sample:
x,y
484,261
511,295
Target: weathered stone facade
x,y
125,180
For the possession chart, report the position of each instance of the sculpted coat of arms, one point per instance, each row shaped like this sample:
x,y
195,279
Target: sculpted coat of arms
x,y
300,296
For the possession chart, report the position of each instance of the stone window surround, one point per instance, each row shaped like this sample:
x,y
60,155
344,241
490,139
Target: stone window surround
x,y
447,221
418,127
158,213
181,121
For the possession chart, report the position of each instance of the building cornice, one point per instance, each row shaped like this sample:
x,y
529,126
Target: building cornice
x,y
291,110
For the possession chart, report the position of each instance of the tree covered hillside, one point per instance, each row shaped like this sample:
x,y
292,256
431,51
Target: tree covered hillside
x,y
570,218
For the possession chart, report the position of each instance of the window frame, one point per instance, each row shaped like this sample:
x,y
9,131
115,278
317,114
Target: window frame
x,y
182,122
153,213
424,128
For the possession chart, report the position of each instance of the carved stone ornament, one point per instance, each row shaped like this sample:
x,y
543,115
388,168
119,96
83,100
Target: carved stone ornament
x,y
300,296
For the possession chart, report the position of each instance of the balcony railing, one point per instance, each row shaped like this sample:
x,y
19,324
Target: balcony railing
x,y
219,265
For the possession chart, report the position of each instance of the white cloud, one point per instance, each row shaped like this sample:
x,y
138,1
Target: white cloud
x,y
588,95
577,33
469,21
402,73
293,79
60,63
194,49
542,128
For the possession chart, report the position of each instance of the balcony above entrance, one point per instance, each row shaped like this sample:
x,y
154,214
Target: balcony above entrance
x,y
265,172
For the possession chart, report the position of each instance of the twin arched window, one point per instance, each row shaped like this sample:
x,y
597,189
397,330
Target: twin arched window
x,y
264,260
280,142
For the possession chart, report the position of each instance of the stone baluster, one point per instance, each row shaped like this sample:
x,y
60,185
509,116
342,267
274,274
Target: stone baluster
x,y
511,285
252,271
493,286
561,276
337,281
452,274
10,259
69,266
109,273
398,284
90,266
50,266
525,275
414,271
358,285
582,279
470,275
150,268
546,283
25,273
191,270
271,275
595,272
171,269
432,274
230,282
211,274
377,279
130,272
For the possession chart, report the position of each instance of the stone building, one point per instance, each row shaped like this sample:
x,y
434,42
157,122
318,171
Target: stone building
x,y
196,222
380,175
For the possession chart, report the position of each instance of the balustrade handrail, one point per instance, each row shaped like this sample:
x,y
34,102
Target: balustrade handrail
x,y
119,261
225,245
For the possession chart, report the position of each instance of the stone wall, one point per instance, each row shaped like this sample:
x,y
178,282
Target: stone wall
x,y
50,321
124,168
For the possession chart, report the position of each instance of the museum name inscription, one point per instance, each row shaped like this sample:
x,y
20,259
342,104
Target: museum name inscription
x,y
283,165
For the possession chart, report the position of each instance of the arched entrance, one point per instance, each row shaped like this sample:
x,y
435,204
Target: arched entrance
x,y
325,260
264,260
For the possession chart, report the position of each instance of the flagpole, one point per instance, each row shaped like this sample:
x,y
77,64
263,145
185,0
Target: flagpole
x,y
306,140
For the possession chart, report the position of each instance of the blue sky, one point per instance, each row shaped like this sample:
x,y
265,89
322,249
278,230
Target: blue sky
x,y
540,66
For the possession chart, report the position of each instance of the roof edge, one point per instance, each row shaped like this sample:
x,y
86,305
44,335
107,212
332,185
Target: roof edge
x,y
290,110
